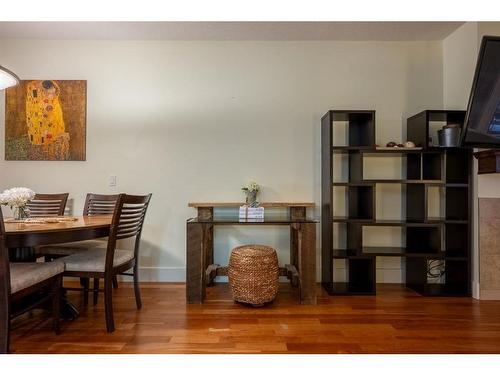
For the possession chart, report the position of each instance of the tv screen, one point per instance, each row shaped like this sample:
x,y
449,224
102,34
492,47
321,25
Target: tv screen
x,y
482,121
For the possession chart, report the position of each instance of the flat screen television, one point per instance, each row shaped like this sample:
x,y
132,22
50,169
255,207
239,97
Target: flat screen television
x,y
482,121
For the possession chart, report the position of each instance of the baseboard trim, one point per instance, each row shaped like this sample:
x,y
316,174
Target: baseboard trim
x,y
159,274
476,290
178,274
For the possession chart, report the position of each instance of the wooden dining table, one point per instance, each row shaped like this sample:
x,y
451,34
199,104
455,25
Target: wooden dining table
x,y
82,228
22,237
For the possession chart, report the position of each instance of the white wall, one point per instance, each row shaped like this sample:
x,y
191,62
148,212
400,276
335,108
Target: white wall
x,y
459,61
194,121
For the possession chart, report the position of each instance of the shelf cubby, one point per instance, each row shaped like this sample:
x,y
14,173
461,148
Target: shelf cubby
x,y
457,163
452,283
457,203
361,202
426,240
416,205
358,277
356,127
454,275
361,274
422,128
431,166
456,240
414,166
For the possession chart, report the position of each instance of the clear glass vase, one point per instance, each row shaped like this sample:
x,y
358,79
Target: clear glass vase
x,y
20,213
251,199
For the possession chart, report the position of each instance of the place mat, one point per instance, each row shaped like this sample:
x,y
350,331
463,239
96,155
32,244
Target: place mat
x,y
43,220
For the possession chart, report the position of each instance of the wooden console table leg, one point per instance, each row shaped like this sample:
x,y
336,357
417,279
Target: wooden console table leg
x,y
207,214
195,263
296,213
307,262
294,247
208,247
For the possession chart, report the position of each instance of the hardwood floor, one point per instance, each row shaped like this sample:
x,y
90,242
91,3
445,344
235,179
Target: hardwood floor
x,y
395,321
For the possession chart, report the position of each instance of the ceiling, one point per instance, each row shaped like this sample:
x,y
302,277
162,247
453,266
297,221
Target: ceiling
x,y
306,31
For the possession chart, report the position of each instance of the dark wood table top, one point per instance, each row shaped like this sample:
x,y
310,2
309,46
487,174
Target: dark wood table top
x,y
81,222
36,234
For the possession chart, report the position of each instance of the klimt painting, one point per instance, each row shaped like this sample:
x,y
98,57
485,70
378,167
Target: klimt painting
x,y
46,120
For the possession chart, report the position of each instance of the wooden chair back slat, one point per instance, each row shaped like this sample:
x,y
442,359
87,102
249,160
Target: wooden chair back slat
x,y
128,220
47,205
100,204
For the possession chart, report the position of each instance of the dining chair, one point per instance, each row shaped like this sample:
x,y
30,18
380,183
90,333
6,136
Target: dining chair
x,y
127,222
20,280
43,205
95,204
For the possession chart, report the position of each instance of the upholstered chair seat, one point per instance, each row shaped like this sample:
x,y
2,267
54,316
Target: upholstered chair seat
x,y
24,275
94,260
69,248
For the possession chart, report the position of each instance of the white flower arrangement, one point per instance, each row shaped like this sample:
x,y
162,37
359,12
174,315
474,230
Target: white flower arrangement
x,y
251,187
17,198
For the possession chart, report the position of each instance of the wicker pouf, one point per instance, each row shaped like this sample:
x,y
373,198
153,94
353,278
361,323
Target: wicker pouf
x,y
254,274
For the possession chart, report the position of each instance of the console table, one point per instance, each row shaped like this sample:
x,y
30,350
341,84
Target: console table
x,y
201,270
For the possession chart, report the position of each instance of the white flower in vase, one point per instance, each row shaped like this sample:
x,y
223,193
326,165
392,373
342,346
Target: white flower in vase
x,y
17,198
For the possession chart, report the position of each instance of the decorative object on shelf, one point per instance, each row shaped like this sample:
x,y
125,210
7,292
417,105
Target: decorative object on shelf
x,y
436,271
46,120
254,274
396,149
251,213
251,190
17,198
398,146
449,135
7,78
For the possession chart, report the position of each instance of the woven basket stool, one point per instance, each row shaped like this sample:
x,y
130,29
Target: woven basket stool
x,y
254,274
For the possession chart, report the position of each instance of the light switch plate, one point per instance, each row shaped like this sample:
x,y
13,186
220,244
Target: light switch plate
x,y
112,181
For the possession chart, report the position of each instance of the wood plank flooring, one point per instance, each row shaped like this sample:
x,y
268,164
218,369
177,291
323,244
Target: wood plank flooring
x,y
395,321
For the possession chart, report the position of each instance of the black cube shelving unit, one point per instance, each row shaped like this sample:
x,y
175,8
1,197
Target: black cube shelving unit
x,y
428,240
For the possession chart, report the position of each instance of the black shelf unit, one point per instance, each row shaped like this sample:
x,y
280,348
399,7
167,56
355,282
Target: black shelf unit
x,y
445,239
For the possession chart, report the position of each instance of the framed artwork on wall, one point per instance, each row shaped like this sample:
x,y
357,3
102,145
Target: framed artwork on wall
x,y
46,120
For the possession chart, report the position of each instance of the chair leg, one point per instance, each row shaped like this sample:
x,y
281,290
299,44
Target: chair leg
x,y
96,290
85,282
108,303
115,282
56,303
4,327
137,290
